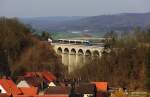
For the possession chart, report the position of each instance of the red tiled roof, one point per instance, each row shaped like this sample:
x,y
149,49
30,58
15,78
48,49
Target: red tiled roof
x,y
101,86
9,86
41,96
45,74
4,95
28,90
22,96
30,74
48,75
52,96
33,81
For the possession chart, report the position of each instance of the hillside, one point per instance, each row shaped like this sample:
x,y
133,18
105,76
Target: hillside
x,y
21,50
44,23
102,23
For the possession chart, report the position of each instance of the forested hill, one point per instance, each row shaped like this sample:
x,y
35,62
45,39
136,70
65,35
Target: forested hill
x,y
102,23
21,50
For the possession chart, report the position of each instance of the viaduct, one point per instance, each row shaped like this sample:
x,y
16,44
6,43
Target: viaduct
x,y
76,53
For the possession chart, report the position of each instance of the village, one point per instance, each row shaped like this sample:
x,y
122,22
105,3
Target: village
x,y
74,48
45,84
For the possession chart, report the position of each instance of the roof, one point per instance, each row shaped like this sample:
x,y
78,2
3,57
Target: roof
x,y
57,90
101,86
9,86
52,96
45,74
41,96
33,81
23,83
5,95
85,89
22,96
28,91
30,74
48,76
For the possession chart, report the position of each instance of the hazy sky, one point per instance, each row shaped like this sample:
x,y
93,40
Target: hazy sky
x,y
37,8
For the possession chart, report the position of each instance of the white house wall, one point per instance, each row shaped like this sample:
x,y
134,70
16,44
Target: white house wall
x,y
2,89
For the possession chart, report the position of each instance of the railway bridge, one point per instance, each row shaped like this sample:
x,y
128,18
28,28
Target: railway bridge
x,y
76,53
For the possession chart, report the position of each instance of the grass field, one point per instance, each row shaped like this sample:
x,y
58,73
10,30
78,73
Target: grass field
x,y
59,35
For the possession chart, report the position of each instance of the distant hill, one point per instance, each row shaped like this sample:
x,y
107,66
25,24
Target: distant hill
x,y
46,23
102,23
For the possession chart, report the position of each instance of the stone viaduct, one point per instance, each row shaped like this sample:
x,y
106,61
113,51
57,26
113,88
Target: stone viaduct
x,y
76,55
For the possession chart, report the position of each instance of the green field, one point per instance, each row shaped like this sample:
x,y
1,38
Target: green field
x,y
59,35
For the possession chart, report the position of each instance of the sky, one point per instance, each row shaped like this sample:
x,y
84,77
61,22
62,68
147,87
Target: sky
x,y
44,8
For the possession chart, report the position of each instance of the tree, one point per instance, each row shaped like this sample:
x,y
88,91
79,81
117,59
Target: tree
x,y
45,35
111,38
148,70
13,38
40,57
4,67
21,50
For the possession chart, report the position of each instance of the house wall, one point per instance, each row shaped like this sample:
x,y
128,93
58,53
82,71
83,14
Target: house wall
x,y
88,95
51,84
2,89
23,84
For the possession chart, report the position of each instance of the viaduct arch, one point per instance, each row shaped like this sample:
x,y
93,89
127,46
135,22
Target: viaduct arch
x,y
75,56
80,51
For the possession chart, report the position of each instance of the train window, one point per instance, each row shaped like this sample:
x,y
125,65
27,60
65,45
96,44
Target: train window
x,y
65,41
78,42
60,41
72,41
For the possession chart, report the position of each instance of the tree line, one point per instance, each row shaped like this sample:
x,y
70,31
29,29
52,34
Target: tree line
x,y
127,65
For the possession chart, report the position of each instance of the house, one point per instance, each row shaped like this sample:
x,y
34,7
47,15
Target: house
x,y
102,94
79,90
86,89
102,89
23,95
58,90
101,86
52,96
40,96
28,90
52,84
5,95
8,86
23,83
45,76
48,76
50,40
30,74
41,80
33,82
